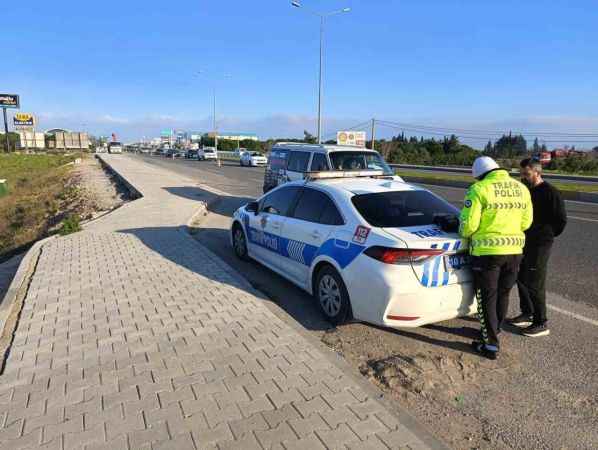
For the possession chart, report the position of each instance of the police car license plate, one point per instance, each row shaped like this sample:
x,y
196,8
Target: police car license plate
x,y
456,262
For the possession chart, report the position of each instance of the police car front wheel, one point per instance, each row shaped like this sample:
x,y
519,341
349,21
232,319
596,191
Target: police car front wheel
x,y
332,296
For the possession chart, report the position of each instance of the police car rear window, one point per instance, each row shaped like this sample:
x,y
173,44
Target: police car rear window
x,y
401,208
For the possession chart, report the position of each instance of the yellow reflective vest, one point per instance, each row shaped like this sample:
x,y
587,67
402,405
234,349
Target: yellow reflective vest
x,y
496,212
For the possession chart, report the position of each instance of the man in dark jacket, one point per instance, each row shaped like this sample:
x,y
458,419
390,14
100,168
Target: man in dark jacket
x,y
549,222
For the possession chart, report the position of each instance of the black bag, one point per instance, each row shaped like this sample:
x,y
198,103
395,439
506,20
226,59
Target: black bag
x,y
447,223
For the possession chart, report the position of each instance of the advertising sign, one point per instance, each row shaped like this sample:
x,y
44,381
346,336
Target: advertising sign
x,y
9,101
23,120
356,138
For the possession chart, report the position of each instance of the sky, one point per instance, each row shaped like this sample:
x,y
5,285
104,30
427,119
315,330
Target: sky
x,y
131,67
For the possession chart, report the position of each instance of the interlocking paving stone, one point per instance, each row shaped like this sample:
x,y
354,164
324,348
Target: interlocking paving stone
x,y
134,336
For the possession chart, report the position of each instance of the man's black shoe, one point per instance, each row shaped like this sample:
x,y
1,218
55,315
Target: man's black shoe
x,y
521,321
481,349
536,330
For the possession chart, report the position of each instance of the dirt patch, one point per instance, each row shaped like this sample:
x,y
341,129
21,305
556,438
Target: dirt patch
x,y
441,386
95,190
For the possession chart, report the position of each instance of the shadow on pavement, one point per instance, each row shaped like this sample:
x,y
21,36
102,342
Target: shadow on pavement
x,y
294,301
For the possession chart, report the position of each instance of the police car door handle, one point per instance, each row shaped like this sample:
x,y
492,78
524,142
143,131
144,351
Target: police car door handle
x,y
315,234
275,224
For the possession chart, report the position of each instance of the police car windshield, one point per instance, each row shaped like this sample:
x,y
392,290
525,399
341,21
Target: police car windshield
x,y
401,208
358,160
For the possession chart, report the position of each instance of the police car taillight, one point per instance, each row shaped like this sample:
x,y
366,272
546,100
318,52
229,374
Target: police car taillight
x,y
390,255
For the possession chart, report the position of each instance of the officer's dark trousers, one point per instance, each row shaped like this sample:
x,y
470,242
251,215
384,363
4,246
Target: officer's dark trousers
x,y
532,281
495,276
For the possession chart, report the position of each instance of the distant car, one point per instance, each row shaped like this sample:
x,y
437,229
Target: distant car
x,y
365,245
115,147
253,159
208,153
173,153
192,154
293,161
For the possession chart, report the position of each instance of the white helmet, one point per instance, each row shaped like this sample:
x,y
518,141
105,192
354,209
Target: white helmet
x,y
482,165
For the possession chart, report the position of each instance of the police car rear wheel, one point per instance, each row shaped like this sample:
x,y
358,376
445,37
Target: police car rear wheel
x,y
332,296
240,243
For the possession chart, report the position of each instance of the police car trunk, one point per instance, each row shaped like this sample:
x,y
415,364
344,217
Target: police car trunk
x,y
438,257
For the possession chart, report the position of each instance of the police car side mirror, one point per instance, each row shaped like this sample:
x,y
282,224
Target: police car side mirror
x,y
252,207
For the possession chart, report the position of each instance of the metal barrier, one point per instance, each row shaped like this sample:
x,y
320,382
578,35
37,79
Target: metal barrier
x,y
228,156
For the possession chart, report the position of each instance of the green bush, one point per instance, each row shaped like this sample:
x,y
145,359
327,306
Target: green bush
x,y
70,225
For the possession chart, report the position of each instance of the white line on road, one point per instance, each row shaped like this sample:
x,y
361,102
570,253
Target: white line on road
x,y
582,218
574,315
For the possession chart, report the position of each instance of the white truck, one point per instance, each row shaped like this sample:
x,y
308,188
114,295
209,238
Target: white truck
x,y
115,147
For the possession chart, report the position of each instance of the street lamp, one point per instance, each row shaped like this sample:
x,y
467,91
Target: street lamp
x,y
322,16
226,75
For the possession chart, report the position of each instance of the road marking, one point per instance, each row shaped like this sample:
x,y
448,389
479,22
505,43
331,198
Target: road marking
x,y
582,218
574,315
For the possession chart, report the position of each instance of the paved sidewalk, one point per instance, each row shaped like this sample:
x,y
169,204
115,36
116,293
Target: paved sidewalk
x,y
133,336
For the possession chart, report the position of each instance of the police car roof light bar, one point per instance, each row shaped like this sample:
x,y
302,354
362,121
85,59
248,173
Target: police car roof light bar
x,y
343,174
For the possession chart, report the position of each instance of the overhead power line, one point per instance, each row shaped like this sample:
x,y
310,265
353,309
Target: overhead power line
x,y
491,132
556,138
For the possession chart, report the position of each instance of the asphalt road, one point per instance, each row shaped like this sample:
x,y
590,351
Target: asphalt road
x,y
537,389
573,272
569,179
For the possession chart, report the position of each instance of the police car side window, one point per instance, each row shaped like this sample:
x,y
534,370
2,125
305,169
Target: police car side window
x,y
280,201
298,161
319,163
330,215
315,206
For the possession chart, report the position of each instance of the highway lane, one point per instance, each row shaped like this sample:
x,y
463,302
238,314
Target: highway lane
x,y
573,266
569,179
537,381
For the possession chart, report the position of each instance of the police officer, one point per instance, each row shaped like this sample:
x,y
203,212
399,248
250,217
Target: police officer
x,y
549,222
497,210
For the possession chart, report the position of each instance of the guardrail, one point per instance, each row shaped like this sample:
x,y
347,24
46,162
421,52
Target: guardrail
x,y
228,156
466,170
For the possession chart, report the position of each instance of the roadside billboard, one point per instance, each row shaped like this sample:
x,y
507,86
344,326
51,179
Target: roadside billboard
x,y
356,138
23,120
9,101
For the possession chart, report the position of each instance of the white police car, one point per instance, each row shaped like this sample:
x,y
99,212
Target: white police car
x,y
366,246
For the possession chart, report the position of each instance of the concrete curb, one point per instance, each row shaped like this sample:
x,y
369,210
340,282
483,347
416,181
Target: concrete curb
x,y
17,291
586,197
133,191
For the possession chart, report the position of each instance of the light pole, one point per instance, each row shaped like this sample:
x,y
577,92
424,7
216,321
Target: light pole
x,y
322,16
226,75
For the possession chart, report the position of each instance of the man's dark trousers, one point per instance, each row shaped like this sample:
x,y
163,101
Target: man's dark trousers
x,y
495,276
532,281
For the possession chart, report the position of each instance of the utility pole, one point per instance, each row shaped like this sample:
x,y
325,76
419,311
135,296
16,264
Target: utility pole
x,y
373,134
6,131
214,118
322,17
320,82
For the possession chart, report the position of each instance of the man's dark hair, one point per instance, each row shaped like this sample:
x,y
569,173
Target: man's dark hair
x,y
531,163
